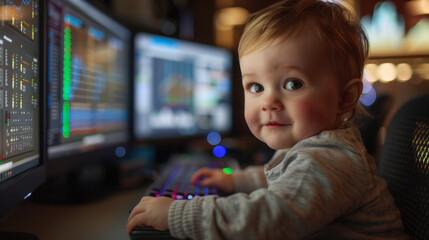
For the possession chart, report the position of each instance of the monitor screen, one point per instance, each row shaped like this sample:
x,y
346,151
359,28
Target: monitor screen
x,y
21,164
88,76
181,88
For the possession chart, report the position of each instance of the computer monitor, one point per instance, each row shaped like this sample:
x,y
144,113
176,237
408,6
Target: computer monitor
x,y
88,85
22,168
182,89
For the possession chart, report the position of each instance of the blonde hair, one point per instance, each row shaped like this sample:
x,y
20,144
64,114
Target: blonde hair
x,y
340,35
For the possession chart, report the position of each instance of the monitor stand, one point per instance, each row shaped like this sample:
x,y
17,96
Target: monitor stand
x,y
17,236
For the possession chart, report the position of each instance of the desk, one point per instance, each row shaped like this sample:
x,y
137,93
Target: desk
x,y
104,219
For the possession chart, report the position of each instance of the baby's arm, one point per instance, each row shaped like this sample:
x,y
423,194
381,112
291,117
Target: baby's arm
x,y
249,179
152,212
309,195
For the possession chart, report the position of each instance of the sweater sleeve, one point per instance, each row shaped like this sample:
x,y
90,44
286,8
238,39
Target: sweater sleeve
x,y
249,179
309,191
182,217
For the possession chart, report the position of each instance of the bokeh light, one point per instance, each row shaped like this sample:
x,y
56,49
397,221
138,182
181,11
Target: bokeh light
x,y
214,138
370,72
227,170
120,152
423,70
387,72
368,95
219,151
405,72
369,98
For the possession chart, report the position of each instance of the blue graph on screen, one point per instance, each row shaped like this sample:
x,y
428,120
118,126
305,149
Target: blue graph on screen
x,y
21,15
99,86
18,7
79,75
78,69
88,87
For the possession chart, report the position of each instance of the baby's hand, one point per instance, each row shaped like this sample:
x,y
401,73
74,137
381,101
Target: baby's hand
x,y
152,212
214,177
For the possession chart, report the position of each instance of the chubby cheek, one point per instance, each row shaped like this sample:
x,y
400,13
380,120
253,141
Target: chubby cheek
x,y
312,118
251,116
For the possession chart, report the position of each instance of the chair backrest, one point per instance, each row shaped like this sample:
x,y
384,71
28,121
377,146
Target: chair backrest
x,y
404,163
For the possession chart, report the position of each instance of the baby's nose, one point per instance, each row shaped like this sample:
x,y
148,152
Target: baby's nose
x,y
272,104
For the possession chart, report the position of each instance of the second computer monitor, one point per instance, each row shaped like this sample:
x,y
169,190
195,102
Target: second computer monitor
x,y
181,88
88,76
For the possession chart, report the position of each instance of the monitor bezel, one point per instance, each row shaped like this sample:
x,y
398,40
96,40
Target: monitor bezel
x,y
104,154
20,187
180,142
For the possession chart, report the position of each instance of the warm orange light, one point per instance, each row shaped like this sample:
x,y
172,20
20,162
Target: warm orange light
x,y
227,18
405,72
418,7
423,70
387,72
371,70
7,13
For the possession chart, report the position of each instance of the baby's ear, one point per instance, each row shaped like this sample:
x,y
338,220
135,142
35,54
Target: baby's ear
x,y
350,95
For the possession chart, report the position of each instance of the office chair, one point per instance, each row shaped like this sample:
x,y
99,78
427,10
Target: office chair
x,y
404,164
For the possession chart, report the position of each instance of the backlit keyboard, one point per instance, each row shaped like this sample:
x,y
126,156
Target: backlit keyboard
x,y
175,182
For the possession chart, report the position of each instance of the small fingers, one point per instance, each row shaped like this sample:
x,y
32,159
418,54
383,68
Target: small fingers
x,y
208,182
139,208
201,173
136,219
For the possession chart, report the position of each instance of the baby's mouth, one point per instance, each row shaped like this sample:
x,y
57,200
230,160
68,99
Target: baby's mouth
x,y
275,124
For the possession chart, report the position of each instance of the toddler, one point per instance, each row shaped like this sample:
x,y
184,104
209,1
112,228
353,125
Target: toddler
x,y
301,63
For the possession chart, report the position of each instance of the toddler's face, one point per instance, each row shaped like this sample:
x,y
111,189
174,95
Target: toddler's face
x,y
290,93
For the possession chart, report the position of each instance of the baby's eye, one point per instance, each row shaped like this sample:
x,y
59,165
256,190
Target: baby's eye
x,y
255,88
293,84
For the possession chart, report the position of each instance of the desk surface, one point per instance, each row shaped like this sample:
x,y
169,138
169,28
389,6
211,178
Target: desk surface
x,y
100,220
